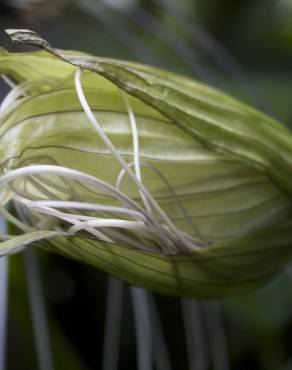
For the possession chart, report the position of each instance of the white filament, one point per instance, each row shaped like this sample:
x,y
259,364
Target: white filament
x,y
17,91
74,174
103,222
141,231
86,206
8,80
168,238
135,148
14,93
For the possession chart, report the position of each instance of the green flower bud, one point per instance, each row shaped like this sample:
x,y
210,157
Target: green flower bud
x,y
150,176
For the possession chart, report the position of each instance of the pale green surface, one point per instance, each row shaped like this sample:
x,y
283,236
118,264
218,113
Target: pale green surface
x,y
229,166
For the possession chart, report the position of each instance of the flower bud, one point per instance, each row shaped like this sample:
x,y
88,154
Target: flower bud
x,y
150,176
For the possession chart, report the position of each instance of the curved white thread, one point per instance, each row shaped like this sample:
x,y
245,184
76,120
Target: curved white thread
x,y
154,233
73,220
136,156
16,92
85,206
8,80
79,90
103,222
198,241
74,174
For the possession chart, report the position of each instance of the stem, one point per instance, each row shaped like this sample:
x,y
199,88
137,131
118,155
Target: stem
x,y
143,328
111,346
38,311
195,339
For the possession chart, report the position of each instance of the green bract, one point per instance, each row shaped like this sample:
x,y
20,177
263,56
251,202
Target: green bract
x,y
148,175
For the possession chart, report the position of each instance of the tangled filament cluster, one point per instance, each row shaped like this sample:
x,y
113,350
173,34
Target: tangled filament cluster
x,y
142,225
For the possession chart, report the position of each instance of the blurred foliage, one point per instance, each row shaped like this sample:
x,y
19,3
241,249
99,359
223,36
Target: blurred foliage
x,y
173,34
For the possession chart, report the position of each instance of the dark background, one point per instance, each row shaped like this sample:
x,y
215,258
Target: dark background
x,y
243,47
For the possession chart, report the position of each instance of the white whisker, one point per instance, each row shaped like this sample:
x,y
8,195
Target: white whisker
x,y
170,239
74,174
86,206
103,222
129,222
136,156
8,81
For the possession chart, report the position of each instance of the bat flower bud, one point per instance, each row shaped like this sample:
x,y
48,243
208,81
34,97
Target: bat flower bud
x,y
150,176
